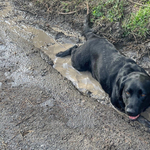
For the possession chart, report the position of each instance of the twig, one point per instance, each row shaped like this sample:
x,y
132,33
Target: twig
x,y
72,12
146,41
69,13
25,119
134,37
137,3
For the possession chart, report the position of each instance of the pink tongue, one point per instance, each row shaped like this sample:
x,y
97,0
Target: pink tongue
x,y
133,118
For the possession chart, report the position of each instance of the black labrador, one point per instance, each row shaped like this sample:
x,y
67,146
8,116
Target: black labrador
x,y
127,84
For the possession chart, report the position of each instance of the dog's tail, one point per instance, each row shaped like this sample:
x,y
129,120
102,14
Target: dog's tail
x,y
86,28
86,32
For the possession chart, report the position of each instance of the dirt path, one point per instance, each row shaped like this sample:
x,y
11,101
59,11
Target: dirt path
x,y
40,109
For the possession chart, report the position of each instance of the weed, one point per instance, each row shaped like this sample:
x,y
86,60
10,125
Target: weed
x,y
138,22
98,11
111,9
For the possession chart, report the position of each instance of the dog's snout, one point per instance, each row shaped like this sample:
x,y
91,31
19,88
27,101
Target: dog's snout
x,y
130,112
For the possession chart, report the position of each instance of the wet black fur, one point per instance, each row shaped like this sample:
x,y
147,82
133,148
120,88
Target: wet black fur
x,y
127,84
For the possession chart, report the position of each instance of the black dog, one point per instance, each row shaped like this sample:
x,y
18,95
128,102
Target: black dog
x,y
127,84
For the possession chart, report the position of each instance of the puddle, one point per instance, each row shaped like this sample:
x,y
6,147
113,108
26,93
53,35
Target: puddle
x,y
82,80
46,42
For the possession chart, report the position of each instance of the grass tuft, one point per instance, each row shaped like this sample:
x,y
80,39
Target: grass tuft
x,y
138,23
112,10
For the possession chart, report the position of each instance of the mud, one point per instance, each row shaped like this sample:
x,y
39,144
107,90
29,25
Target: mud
x,y
41,109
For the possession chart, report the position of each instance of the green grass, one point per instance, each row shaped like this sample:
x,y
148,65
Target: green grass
x,y
112,10
138,22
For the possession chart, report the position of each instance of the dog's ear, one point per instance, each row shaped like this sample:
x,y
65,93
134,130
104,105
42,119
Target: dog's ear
x,y
120,83
116,95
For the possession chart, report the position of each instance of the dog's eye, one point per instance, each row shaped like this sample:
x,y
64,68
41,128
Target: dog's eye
x,y
127,93
143,95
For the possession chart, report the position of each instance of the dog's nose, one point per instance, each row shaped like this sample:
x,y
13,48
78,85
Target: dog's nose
x,y
130,112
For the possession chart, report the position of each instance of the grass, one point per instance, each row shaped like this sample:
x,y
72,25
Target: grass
x,y
111,10
138,23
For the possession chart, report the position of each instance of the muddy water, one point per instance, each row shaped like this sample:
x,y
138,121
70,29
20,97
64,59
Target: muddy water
x,y
82,80
47,43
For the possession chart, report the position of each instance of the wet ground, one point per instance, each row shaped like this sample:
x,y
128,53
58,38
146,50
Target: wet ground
x,y
41,109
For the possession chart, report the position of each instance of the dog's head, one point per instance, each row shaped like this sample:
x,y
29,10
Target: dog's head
x,y
135,94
